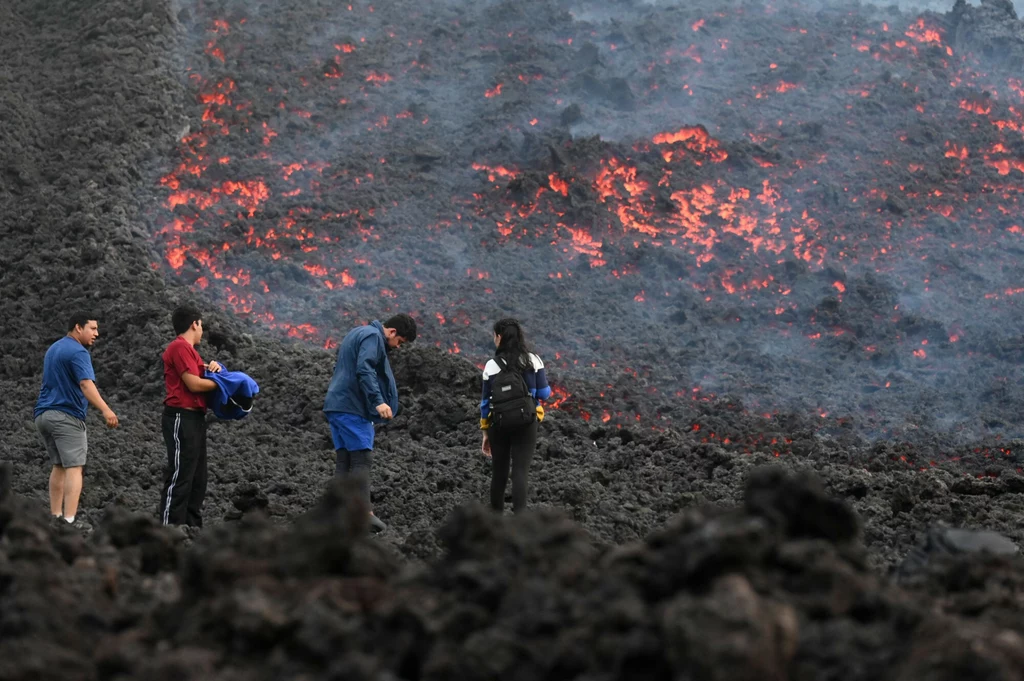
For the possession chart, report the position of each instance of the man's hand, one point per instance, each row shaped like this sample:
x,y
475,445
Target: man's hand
x,y
384,411
110,417
485,447
93,396
214,367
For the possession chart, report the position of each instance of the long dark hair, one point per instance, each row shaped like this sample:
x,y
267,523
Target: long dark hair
x,y
512,347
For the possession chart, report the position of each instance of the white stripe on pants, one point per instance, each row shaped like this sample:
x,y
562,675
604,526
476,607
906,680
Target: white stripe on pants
x,y
177,467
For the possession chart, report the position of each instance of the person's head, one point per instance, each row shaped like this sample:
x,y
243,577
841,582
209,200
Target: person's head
x,y
188,322
83,328
399,329
510,341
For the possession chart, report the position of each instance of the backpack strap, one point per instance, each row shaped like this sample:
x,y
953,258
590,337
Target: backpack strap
x,y
503,365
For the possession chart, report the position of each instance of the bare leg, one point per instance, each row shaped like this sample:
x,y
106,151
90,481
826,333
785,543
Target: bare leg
x,y
72,490
57,490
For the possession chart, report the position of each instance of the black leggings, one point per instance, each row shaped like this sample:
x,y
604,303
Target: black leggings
x,y
515,447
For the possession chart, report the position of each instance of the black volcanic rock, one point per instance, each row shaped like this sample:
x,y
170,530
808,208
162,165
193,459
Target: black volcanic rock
x,y
714,595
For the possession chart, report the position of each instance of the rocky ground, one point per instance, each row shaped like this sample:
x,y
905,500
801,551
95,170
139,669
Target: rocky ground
x,y
777,588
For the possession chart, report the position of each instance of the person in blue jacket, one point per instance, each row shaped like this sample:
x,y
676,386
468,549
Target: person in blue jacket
x,y
362,392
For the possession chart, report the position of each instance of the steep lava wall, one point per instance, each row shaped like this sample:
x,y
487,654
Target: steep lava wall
x,y
805,210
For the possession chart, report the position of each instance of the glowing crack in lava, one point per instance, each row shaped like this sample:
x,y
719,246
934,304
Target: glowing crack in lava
x,y
393,169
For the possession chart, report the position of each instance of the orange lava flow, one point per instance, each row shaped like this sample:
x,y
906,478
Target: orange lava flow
x,y
696,139
495,171
558,397
978,107
922,33
557,184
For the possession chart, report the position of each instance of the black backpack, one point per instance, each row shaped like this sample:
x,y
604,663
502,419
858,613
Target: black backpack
x,y
511,403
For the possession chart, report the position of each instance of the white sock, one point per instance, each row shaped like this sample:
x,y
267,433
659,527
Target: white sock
x,y
70,520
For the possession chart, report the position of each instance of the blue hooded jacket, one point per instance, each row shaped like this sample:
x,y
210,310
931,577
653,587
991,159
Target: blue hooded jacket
x,y
232,400
362,376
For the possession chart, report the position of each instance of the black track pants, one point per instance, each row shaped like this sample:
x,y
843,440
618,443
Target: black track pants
x,y
181,502
513,447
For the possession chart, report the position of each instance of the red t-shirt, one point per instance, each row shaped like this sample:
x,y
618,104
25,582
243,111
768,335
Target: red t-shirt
x,y
179,357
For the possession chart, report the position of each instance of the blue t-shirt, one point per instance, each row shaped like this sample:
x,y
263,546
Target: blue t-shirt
x,y
66,363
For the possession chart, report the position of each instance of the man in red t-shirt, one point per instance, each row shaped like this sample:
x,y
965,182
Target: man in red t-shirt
x,y
184,421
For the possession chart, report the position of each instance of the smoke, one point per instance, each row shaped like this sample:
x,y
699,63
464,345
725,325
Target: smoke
x,y
907,6
937,6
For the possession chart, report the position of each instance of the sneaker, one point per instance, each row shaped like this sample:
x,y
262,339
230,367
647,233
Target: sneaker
x,y
377,525
80,524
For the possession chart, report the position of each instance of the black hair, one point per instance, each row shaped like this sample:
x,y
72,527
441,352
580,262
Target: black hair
x,y
183,317
79,319
513,347
404,326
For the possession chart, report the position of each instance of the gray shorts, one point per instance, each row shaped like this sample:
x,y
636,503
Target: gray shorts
x,y
64,438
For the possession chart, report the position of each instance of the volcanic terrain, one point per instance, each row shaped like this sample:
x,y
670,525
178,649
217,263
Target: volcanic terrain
x,y
768,252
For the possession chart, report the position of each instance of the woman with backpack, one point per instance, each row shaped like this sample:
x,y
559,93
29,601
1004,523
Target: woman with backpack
x,y
514,385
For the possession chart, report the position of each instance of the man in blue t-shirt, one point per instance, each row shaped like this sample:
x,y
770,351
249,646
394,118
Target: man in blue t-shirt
x,y
363,392
68,388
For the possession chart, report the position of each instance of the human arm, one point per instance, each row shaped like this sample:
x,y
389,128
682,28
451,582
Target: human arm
x,y
92,394
485,411
367,359
185,362
485,394
541,389
538,385
196,384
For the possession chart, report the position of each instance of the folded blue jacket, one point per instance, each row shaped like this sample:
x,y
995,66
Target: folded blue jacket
x,y
233,398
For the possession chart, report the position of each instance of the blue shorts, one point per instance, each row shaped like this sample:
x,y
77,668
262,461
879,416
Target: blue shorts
x,y
350,432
